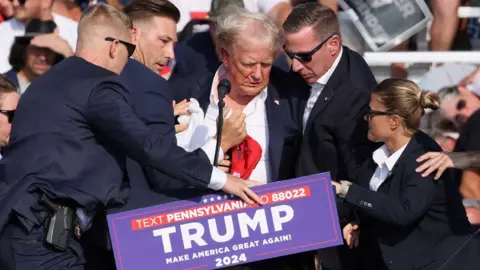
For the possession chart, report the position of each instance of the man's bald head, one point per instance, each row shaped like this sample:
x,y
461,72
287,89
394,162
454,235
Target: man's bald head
x,y
101,21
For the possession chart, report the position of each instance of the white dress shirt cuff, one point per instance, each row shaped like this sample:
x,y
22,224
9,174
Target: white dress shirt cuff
x,y
218,179
209,149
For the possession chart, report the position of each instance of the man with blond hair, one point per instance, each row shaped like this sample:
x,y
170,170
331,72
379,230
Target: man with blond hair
x,y
66,161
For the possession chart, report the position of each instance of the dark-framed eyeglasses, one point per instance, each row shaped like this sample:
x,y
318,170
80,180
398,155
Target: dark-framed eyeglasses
x,y
306,57
9,114
371,113
130,47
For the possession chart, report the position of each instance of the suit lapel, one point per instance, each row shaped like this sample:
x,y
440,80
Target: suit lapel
x,y
328,92
275,138
325,97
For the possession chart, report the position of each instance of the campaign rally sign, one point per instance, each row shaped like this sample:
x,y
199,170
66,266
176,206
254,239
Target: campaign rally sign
x,y
219,230
387,23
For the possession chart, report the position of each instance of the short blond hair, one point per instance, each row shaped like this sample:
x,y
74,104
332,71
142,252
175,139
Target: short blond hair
x,y
103,19
247,27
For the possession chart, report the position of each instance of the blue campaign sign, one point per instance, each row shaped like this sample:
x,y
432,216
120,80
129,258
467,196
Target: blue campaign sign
x,y
218,230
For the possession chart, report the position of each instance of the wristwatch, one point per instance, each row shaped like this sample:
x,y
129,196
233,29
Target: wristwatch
x,y
344,185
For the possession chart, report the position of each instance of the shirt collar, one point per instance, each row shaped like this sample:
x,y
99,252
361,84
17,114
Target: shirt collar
x,y
324,79
382,156
221,71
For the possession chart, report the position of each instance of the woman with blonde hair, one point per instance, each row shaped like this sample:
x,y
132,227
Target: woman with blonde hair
x,y
406,221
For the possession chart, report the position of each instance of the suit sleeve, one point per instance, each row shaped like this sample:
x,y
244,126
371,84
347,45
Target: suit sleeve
x,y
415,198
351,133
156,111
111,115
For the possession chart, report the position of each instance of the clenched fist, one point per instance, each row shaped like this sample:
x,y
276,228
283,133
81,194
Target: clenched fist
x,y
234,129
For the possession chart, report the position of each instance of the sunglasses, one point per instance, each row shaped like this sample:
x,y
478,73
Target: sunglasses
x,y
21,2
460,119
371,113
306,57
9,114
130,47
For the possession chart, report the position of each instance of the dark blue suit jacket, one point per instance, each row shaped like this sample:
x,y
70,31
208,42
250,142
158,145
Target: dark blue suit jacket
x,y
11,75
412,222
151,101
71,134
283,105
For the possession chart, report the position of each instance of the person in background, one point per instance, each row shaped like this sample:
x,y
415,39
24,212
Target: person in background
x,y
6,10
444,28
35,53
71,9
406,222
337,83
446,139
25,11
277,10
8,104
462,107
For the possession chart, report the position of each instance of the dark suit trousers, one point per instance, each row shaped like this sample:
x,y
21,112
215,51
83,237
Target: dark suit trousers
x,y
23,250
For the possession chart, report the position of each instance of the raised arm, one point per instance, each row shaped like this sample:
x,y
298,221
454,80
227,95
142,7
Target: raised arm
x,y
111,115
440,161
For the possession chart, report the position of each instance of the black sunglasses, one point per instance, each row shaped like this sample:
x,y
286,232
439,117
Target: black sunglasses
x,y
9,114
307,56
21,2
130,47
371,113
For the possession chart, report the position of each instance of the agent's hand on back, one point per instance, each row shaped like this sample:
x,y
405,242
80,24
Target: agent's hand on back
x,y
435,161
181,109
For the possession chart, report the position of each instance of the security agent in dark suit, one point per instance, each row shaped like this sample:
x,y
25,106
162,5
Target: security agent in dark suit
x,y
337,90
406,221
72,132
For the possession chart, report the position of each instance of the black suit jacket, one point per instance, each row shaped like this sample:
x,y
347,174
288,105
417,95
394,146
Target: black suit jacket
x,y
282,107
412,222
12,76
71,134
151,101
335,136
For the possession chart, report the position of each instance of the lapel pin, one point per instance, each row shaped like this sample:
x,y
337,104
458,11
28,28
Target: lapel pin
x,y
277,102
326,99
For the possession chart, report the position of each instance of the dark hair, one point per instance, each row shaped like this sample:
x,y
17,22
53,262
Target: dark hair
x,y
6,86
18,55
145,9
322,18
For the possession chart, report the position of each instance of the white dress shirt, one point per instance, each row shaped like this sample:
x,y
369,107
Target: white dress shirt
x,y
385,162
256,125
317,88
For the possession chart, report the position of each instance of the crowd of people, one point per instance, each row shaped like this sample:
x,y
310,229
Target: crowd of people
x,y
108,106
